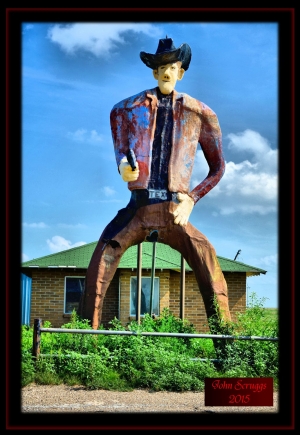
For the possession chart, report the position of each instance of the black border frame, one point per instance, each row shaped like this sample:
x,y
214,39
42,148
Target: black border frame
x,y
285,418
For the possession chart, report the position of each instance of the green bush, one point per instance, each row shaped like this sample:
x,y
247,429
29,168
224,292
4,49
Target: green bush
x,y
121,362
27,368
27,363
46,373
148,364
249,358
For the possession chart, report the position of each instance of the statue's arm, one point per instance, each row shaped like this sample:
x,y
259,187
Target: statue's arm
x,y
119,124
211,143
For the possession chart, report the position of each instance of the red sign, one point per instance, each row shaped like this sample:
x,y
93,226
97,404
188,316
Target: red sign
x,y
238,392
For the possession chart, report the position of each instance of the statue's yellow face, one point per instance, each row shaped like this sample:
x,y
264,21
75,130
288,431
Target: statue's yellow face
x,y
167,76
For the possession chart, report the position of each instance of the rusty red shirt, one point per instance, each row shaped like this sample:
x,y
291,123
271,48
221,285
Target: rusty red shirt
x,y
133,125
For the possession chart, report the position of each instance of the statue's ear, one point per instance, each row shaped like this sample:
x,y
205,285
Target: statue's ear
x,y
155,74
181,73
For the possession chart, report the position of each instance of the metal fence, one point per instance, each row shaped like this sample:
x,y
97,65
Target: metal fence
x,y
38,329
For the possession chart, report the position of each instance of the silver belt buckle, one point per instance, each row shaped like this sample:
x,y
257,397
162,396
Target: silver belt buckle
x,y
157,194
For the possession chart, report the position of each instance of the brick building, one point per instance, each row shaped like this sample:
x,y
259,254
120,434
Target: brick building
x,y
57,281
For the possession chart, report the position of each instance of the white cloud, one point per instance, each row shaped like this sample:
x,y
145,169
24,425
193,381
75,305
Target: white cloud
x,y
99,39
258,147
247,187
95,137
28,26
108,191
58,243
25,258
82,135
246,180
35,225
71,226
269,260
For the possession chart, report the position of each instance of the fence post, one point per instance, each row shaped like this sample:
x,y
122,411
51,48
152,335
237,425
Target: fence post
x,y
152,277
182,289
138,283
36,337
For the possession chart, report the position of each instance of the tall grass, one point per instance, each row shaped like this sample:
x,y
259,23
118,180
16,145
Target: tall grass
x,y
117,362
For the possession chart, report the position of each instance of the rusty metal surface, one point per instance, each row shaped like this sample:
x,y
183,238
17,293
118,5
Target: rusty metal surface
x,y
138,124
133,123
190,242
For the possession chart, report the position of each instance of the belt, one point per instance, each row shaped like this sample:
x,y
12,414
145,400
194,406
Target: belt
x,y
152,196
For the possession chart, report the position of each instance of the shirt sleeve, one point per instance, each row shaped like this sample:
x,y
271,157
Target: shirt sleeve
x,y
211,143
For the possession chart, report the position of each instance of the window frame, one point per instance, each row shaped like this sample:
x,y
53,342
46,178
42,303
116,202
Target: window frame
x,y
65,289
156,298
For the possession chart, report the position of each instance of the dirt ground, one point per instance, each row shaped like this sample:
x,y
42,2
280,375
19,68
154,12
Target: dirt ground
x,y
77,399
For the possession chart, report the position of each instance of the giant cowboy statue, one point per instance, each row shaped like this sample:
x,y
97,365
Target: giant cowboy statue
x,y
161,128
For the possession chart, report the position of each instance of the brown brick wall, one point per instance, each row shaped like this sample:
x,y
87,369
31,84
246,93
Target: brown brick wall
x,y
193,304
110,308
47,300
194,309
47,297
236,283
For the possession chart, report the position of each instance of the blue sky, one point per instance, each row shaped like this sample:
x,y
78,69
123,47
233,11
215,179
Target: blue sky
x,y
73,74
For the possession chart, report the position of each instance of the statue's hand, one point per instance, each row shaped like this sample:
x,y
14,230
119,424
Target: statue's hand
x,y
126,171
184,209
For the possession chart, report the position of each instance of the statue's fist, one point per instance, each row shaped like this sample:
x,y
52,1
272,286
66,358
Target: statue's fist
x,y
126,171
184,209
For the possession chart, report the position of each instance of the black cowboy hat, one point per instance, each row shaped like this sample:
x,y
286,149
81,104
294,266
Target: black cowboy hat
x,y
167,53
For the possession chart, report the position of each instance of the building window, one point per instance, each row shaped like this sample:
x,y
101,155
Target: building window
x,y
145,296
74,287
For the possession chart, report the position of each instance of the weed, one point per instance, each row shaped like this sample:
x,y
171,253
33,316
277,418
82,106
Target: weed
x,y
120,362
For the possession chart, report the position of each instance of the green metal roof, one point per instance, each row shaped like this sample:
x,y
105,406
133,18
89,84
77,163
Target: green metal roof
x,y
165,258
